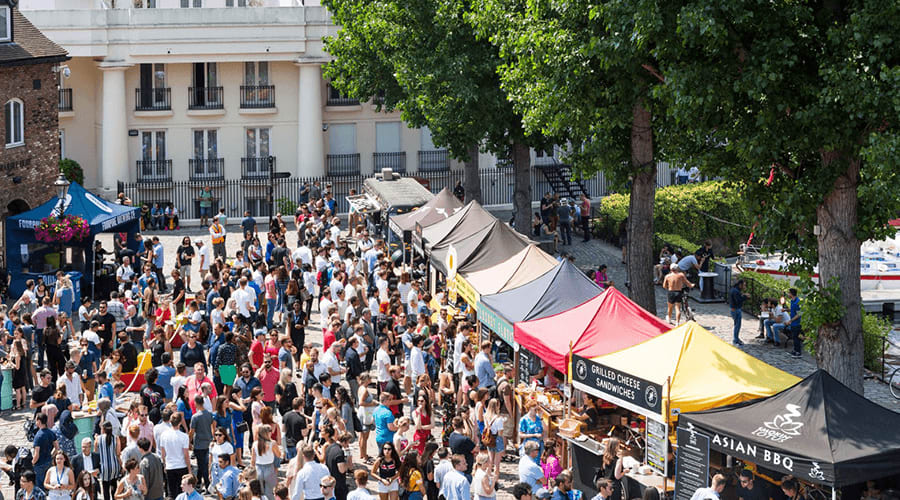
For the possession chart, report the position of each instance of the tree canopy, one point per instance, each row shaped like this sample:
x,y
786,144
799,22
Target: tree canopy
x,y
426,59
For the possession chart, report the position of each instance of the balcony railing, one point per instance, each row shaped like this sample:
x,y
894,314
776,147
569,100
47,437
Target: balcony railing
x,y
256,167
341,101
154,170
434,160
205,98
65,99
346,164
159,99
257,96
209,169
393,161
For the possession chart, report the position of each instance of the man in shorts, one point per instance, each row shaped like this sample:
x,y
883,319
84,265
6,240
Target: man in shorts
x,y
674,282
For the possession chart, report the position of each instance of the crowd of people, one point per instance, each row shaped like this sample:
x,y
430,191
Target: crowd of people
x,y
248,405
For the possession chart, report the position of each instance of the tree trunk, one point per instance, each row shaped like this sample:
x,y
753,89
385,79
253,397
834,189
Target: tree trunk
x,y
472,181
639,256
522,188
839,347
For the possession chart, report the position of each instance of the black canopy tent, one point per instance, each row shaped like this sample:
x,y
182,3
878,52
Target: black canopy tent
x,y
818,430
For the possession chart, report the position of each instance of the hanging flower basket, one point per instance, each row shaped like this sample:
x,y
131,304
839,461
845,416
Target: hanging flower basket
x,y
62,229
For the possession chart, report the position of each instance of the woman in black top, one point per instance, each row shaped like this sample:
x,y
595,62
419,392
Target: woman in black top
x,y
185,255
426,464
612,467
192,353
385,471
178,291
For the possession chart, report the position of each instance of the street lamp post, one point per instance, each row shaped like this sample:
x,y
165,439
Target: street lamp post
x,y
62,190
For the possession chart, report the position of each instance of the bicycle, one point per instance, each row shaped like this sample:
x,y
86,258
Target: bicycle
x,y
686,312
894,383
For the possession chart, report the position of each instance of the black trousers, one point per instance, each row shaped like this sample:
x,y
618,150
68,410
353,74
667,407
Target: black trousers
x,y
173,481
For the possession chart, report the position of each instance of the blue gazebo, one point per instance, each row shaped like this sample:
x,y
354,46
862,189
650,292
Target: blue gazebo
x,y
27,258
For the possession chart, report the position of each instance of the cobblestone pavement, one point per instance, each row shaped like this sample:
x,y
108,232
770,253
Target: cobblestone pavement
x,y
714,317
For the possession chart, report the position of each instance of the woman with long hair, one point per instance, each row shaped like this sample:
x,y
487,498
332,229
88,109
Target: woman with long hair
x,y
281,283
267,418
285,391
84,489
263,459
107,446
611,466
385,471
484,479
59,481
494,422
345,404
426,465
221,446
421,417
411,477
447,391
183,404
112,366
133,486
22,366
550,461
256,406
531,428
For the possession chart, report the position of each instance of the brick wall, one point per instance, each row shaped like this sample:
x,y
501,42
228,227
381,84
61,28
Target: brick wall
x,y
41,149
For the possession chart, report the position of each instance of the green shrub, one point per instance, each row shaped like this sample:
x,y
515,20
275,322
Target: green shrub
x,y
761,286
72,170
693,212
678,243
286,206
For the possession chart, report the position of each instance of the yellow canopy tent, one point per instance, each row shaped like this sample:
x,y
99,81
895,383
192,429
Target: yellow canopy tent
x,y
687,368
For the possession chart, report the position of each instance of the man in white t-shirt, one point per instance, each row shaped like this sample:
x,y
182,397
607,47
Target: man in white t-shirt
x,y
332,365
124,274
417,358
462,334
304,254
204,256
245,298
382,363
175,452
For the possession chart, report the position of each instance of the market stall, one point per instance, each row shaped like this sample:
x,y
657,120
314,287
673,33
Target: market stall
x,y
691,370
486,247
27,257
607,323
443,205
818,430
525,266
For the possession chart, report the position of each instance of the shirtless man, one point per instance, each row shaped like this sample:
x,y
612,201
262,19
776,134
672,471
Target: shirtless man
x,y
674,282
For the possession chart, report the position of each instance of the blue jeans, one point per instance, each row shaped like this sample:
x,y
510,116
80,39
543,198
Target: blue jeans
x,y
290,452
773,330
270,311
565,232
737,315
39,342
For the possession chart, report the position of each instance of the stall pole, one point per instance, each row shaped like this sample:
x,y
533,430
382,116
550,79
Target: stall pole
x,y
666,413
93,270
515,408
833,493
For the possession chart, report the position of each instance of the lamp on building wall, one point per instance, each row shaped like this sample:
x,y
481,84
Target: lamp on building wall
x,y
62,190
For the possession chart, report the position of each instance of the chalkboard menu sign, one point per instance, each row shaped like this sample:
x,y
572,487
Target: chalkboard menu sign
x,y
656,445
526,363
691,462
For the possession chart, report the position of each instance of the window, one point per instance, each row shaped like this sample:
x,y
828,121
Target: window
x,y
426,143
206,144
5,24
14,117
153,145
191,3
387,137
256,73
257,144
62,143
342,139
231,3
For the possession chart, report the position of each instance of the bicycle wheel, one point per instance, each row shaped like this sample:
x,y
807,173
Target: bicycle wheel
x,y
687,313
894,383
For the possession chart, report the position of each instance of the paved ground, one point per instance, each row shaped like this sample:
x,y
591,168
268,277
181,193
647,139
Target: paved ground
x,y
714,317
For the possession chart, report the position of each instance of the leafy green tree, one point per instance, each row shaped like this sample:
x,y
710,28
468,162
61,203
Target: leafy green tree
x,y
425,57
580,71
809,93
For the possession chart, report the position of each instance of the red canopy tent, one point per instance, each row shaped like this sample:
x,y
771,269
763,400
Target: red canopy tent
x,y
607,323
